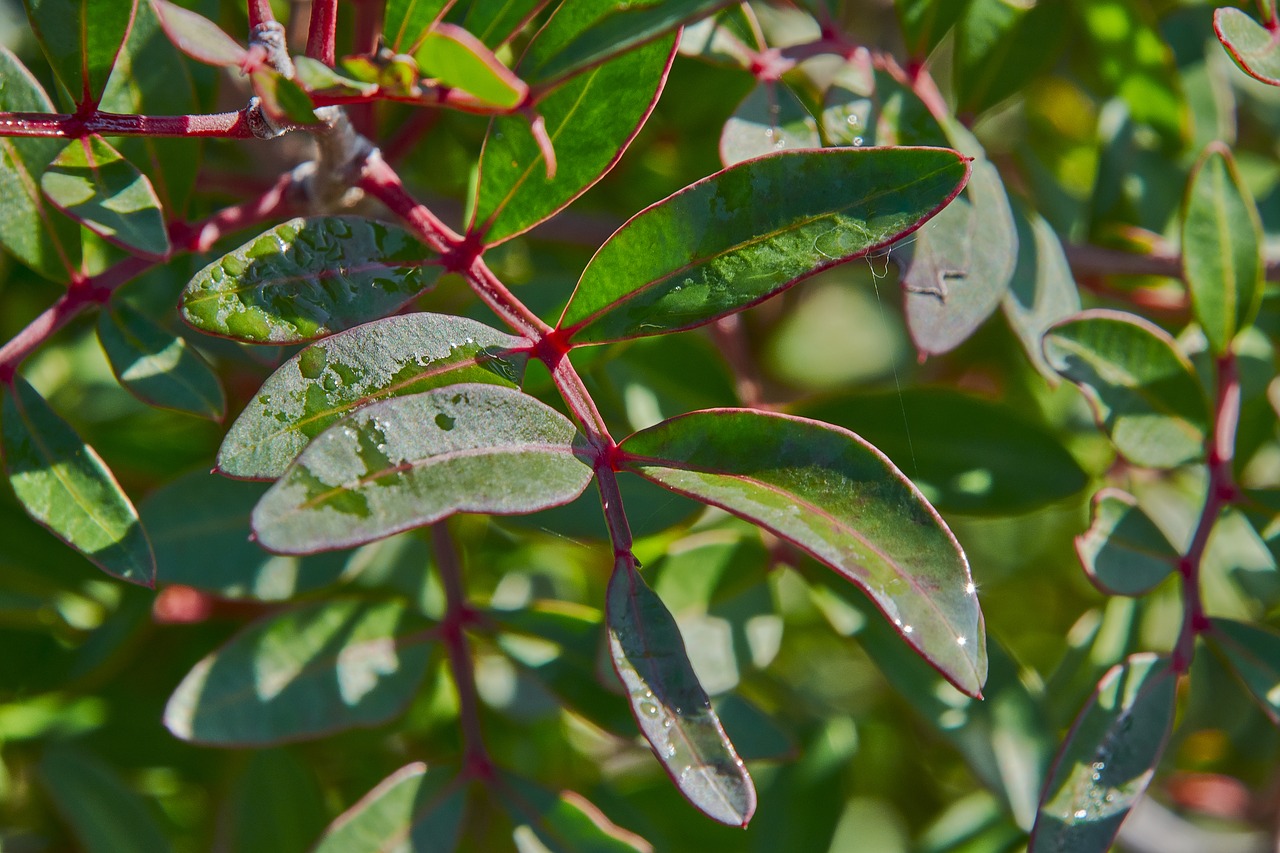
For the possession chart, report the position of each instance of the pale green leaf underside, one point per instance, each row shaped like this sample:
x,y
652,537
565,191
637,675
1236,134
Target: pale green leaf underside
x,y
1254,48
1253,651
411,811
1123,551
157,366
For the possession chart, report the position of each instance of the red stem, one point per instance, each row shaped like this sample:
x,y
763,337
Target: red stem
x,y
226,125
259,12
321,33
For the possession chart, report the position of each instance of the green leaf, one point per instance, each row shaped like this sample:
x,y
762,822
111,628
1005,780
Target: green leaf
x,y
156,366
496,22
81,39
392,357
410,461
315,669
412,810
670,706
925,22
1109,757
308,278
1042,290
199,528
842,501
1251,46
582,34
1253,652
769,119
459,60
406,21
63,484
315,76
1142,389
90,182
999,46
966,454
275,806
744,234
283,99
198,37
1221,248
1123,552
33,230
591,120
561,822
105,815
869,106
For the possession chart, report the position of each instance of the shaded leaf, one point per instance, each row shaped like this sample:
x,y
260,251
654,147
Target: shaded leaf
x,y
392,357
198,37
410,461
275,806
755,734
283,99
591,120
769,119
1253,652
81,39
157,366
1109,757
1123,552
33,230
838,498
1042,289
1142,389
744,234
315,669
669,705
720,39
866,105
63,484
1251,46
459,60
999,46
406,21
104,814
413,810
965,453
308,278
496,22
1221,248
561,822
925,22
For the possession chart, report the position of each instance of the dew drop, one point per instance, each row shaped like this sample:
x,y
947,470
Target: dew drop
x,y
907,629
970,588
649,709
1081,814
857,141
960,641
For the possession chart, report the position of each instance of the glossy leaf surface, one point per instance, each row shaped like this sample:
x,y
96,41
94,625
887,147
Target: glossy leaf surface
x,y
741,235
309,671
669,704
495,22
410,461
413,810
1123,552
562,822
387,358
460,60
1253,651
1142,389
105,815
157,366
590,120
1221,248
63,484
1042,290
315,76
198,37
1253,47
769,119
966,454
307,278
32,229
81,39
838,498
1109,757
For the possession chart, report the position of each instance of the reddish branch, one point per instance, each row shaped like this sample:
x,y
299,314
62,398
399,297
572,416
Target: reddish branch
x,y
227,125
320,35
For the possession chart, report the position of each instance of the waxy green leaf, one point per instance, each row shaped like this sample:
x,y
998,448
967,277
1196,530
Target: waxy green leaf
x,y
496,22
90,182
413,809
459,60
869,106
561,821
63,484
1109,757
103,813
670,706
590,120
1042,290
315,76
769,119
838,498
308,278
926,22
744,234
1000,45
198,37
1253,651
32,229
283,98
410,461
327,380
1123,552
1221,248
1143,390
407,21
307,672
157,366
1251,46
81,39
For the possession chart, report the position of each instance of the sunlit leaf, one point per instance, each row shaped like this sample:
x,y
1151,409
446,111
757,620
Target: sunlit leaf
x,y
1000,45
105,815
1142,389
386,358
414,810
410,461
63,484
669,704
315,76
842,501
1109,757
459,60
769,119
283,98
869,106
198,37
157,366
1251,46
1042,290
1253,652
81,39
742,235
1123,551
561,822
406,21
496,22
307,278
721,39
315,669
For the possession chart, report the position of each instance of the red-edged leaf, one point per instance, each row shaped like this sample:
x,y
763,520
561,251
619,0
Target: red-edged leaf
x,y
198,37
459,60
1253,47
81,39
